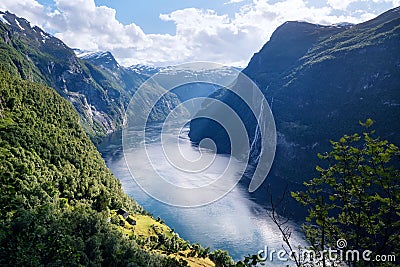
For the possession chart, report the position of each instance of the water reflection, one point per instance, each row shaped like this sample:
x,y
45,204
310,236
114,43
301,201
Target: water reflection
x,y
235,222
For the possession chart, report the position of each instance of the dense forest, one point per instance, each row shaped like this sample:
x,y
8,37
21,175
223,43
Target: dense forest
x,y
58,198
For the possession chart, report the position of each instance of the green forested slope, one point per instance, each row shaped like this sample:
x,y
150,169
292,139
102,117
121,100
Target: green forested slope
x,y
56,192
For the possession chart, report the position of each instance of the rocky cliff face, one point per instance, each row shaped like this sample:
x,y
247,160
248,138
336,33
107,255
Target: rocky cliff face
x,y
320,81
97,86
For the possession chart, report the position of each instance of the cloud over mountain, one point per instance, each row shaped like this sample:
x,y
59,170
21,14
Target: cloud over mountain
x,y
201,34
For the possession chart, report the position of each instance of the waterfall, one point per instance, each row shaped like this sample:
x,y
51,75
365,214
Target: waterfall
x,y
272,102
257,135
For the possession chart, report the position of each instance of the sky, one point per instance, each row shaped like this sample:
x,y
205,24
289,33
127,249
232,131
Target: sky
x,y
169,32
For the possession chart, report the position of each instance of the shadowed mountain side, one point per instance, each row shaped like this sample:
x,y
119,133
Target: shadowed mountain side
x,y
320,81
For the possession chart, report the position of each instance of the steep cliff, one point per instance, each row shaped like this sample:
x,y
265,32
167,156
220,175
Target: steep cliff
x,y
320,81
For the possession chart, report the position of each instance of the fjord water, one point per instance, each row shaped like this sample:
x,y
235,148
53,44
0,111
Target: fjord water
x,y
235,222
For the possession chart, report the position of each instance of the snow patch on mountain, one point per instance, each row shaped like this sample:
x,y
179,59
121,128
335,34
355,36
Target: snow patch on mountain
x,y
3,19
95,55
44,37
343,25
19,25
82,53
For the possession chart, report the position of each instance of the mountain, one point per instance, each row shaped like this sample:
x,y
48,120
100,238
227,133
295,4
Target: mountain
x,y
97,86
116,76
320,81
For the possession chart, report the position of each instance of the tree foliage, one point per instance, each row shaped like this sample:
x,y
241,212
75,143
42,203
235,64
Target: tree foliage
x,y
221,258
356,197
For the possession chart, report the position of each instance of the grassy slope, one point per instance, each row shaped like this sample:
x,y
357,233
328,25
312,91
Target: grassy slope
x,y
154,235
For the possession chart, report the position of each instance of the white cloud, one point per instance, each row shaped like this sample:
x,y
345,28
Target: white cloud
x,y
395,3
84,25
202,35
341,4
81,24
207,35
234,2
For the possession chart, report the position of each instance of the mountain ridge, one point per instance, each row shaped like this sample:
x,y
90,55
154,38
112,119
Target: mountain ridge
x,y
320,81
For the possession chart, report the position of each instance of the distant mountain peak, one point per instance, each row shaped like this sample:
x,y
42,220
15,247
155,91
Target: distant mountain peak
x,y
145,70
104,58
191,70
343,24
91,54
304,26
